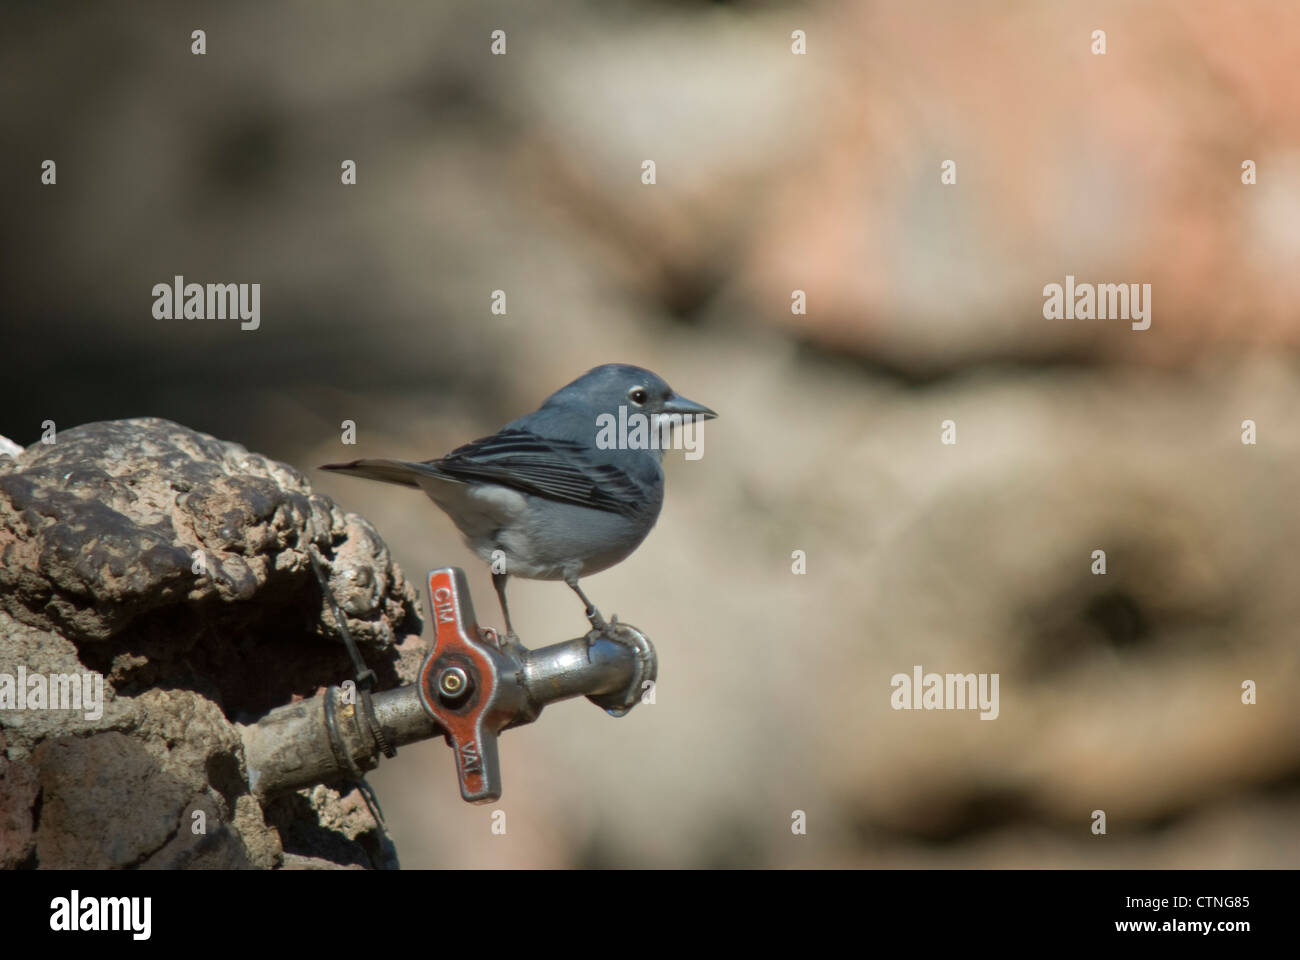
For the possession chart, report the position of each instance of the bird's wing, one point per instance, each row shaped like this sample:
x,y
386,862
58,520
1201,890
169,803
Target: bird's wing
x,y
559,470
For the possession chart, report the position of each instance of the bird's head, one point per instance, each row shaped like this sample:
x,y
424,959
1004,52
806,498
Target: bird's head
x,y
606,388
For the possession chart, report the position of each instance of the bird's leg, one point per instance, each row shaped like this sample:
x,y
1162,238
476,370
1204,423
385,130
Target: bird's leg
x,y
499,581
593,615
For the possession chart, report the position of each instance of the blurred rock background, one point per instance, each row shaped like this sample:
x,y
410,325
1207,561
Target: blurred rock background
x,y
775,172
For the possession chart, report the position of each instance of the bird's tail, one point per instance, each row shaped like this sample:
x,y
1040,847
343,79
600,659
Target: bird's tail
x,y
406,472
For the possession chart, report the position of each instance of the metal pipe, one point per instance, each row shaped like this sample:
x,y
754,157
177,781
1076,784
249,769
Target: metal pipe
x,y
576,669
321,740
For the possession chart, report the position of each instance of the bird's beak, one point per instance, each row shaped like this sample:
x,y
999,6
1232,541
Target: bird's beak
x,y
679,404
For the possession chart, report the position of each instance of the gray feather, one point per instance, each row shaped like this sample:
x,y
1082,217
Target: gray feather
x,y
404,472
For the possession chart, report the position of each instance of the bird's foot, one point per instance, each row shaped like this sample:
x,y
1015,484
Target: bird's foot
x,y
599,628
511,641
502,641
598,625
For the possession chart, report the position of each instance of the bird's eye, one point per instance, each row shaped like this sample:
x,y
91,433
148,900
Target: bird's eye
x,y
637,395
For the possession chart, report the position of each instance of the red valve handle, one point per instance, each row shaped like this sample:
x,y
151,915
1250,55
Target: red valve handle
x,y
473,718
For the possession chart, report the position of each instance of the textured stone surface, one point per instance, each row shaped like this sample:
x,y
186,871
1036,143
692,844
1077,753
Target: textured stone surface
x,y
176,565
19,788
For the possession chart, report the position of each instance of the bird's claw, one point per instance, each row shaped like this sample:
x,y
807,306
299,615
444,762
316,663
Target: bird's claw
x,y
599,628
512,642
597,621
502,641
